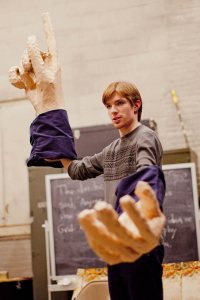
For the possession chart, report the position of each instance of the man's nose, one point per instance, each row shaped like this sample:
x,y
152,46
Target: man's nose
x,y
113,109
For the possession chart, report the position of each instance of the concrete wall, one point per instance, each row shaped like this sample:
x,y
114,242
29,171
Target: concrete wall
x,y
154,44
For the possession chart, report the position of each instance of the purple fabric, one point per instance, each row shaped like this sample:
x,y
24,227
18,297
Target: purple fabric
x,y
51,137
153,175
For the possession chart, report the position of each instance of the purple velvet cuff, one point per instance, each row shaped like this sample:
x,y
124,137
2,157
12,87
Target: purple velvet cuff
x,y
153,175
51,137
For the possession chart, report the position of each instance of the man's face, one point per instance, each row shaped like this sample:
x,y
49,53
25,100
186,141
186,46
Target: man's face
x,y
121,113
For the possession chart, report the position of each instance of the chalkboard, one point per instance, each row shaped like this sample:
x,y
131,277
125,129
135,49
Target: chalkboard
x,y
181,233
69,249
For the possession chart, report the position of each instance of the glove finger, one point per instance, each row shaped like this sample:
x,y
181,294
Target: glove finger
x,y
34,54
50,38
110,258
148,201
110,219
26,62
97,231
100,251
28,79
15,77
129,206
157,224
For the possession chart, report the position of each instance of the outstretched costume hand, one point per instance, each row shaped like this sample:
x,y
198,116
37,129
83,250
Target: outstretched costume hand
x,y
39,73
124,238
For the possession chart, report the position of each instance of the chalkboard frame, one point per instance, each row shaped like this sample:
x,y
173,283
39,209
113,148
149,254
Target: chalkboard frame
x,y
192,168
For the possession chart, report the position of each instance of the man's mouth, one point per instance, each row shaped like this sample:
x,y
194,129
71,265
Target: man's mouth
x,y
116,119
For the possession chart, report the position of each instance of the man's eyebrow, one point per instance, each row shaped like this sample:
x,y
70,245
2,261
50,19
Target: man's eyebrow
x,y
120,99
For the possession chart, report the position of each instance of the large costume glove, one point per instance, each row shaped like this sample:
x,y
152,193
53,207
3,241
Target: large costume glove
x,y
124,238
39,75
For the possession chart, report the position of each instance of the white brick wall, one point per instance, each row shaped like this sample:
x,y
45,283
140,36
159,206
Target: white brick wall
x,y
154,44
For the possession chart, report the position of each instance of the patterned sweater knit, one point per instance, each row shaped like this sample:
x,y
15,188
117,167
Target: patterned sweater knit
x,y
123,157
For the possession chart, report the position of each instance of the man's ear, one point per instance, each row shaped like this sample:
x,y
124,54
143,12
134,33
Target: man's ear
x,y
137,105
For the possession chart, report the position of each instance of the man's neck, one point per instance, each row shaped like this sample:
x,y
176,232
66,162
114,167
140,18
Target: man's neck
x,y
124,131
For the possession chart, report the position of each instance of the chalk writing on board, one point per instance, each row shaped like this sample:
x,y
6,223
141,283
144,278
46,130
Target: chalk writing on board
x,y
66,204
168,230
62,228
178,220
81,188
64,216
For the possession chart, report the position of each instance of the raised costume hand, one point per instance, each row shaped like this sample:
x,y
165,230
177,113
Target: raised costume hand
x,y
124,238
39,73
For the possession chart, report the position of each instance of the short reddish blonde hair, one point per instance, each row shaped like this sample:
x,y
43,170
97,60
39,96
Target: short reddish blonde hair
x,y
124,89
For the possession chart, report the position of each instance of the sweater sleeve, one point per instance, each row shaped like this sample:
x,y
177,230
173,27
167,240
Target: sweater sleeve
x,y
88,167
149,150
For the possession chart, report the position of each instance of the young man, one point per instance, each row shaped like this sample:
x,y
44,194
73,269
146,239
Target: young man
x,y
134,256
137,148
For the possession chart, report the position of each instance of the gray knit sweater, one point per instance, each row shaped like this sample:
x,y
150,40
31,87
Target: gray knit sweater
x,y
123,157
